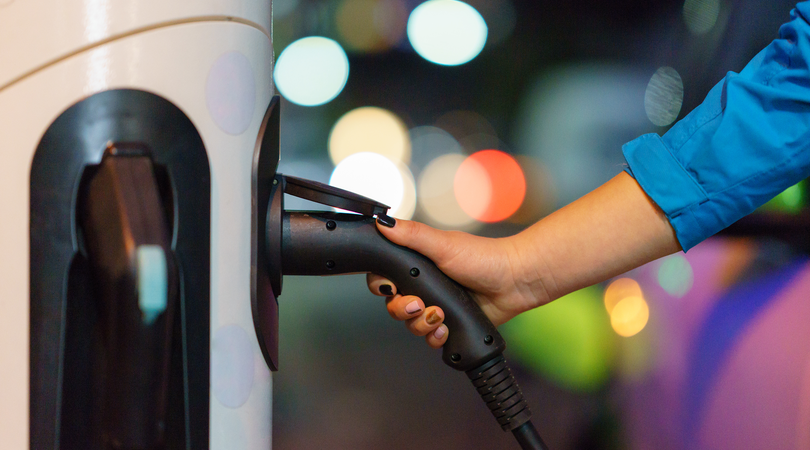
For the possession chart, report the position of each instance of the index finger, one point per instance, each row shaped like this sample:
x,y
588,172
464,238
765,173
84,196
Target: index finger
x,y
380,286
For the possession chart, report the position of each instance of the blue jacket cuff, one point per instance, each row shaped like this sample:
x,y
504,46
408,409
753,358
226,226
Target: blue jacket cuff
x,y
668,184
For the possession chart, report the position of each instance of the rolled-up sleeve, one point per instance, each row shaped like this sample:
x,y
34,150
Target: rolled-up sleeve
x,y
748,141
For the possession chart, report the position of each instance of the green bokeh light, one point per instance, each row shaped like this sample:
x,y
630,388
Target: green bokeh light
x,y
568,341
790,201
675,275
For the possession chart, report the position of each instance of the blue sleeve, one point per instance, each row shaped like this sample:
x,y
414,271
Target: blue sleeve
x,y
748,141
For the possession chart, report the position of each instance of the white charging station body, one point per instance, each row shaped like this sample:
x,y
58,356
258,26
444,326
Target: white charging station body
x,y
213,60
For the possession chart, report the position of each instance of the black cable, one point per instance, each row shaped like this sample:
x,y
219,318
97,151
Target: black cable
x,y
499,390
528,438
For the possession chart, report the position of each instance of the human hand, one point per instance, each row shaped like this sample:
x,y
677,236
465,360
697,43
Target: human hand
x,y
493,270
607,232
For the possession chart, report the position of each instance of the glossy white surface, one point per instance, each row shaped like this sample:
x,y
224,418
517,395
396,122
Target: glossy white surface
x,y
232,365
230,92
34,33
176,72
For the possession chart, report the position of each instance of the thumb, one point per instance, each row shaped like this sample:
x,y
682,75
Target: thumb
x,y
437,245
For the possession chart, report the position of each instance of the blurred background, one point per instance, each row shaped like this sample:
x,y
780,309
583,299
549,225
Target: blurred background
x,y
484,117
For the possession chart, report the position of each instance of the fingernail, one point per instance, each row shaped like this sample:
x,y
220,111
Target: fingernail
x,y
413,307
439,333
385,220
386,289
433,318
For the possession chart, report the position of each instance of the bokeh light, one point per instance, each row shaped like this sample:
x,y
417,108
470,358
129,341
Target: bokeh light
x,y
311,71
428,143
619,290
629,316
408,205
675,275
664,96
437,200
701,15
371,25
568,341
790,201
473,188
625,303
375,176
490,186
447,32
370,129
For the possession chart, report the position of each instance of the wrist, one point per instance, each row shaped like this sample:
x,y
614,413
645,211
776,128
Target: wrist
x,y
532,274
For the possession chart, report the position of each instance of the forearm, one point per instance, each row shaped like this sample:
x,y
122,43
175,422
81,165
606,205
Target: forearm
x,y
605,233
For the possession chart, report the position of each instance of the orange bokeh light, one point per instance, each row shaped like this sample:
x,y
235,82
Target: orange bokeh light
x,y
619,290
490,185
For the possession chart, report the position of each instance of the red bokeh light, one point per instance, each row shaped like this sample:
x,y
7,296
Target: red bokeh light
x,y
490,186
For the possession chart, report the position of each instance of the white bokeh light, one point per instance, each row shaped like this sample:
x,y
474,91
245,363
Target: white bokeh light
x,y
664,96
437,199
408,205
370,129
447,32
701,15
311,71
377,177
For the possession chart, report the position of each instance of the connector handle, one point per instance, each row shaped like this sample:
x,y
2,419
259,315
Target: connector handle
x,y
328,243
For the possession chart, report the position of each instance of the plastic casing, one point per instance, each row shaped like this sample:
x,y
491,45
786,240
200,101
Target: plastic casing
x,y
56,53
